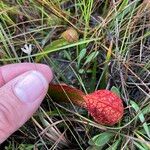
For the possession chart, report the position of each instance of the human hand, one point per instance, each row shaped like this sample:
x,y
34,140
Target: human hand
x,y
22,89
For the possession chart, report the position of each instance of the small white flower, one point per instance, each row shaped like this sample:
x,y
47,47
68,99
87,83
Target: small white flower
x,y
27,49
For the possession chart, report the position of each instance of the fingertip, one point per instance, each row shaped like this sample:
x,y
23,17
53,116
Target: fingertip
x,y
24,86
11,71
46,71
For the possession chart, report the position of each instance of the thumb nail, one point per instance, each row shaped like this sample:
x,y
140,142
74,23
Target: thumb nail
x,y
30,87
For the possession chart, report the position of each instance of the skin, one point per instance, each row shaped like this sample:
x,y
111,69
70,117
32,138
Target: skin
x,y
14,112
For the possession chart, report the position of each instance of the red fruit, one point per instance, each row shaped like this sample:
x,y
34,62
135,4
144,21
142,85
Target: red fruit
x,y
104,106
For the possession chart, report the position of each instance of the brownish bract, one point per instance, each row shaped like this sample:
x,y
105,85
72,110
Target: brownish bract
x,y
70,35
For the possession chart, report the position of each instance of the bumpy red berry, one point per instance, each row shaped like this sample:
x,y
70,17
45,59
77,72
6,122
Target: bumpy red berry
x,y
104,106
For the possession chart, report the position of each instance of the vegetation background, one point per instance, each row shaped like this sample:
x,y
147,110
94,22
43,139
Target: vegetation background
x,y
107,45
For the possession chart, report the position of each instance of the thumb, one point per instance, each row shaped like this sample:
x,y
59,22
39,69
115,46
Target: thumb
x,y
19,99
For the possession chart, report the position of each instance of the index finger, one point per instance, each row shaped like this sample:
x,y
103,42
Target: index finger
x,y
8,72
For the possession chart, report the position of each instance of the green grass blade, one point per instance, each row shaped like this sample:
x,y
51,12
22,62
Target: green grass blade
x,y
141,117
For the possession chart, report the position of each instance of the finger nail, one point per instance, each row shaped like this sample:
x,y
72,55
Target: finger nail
x,y
30,87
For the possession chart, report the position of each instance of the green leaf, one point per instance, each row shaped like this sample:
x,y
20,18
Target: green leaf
x,y
141,117
146,110
101,139
67,55
53,45
115,90
81,71
90,57
139,146
81,55
115,145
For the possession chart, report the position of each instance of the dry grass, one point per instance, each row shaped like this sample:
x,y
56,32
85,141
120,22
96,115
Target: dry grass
x,y
112,50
